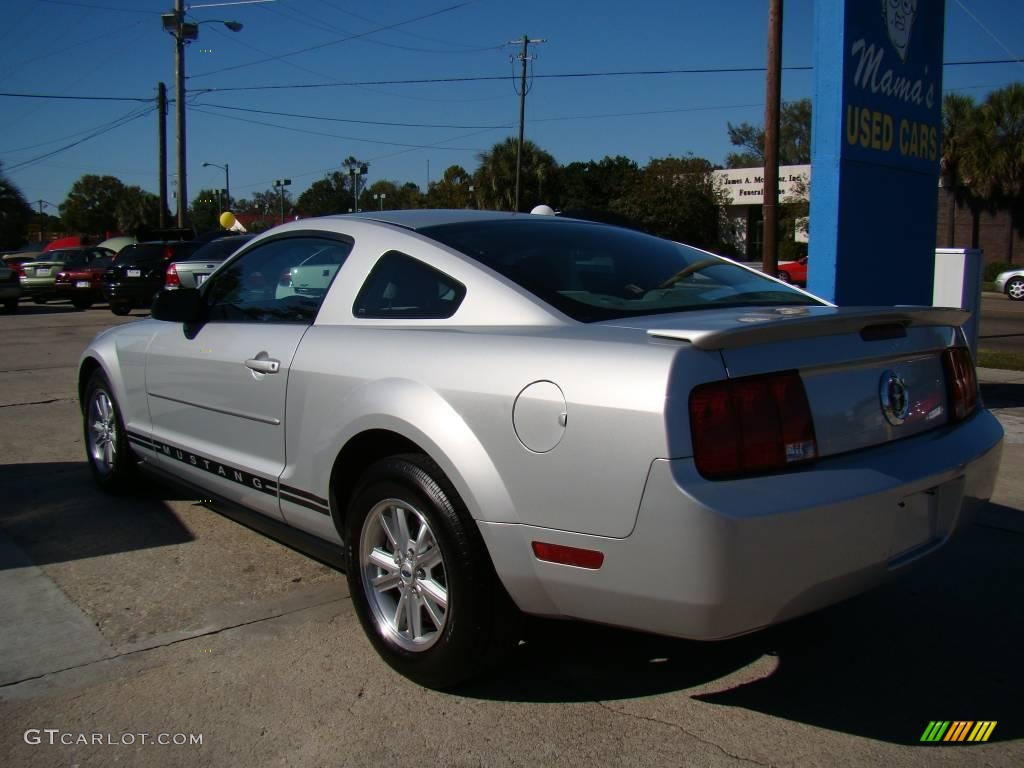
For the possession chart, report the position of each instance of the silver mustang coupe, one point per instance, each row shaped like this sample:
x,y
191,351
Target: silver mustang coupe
x,y
496,413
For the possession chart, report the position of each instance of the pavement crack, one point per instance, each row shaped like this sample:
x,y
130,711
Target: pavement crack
x,y
681,729
39,402
169,643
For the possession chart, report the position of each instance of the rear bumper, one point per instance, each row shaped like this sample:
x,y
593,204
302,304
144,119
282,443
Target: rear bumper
x,y
710,560
71,291
38,287
138,295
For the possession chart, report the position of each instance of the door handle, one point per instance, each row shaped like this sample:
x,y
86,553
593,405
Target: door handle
x,y
263,365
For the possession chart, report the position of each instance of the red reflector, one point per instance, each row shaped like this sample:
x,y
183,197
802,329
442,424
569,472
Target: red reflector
x,y
753,424
557,553
961,383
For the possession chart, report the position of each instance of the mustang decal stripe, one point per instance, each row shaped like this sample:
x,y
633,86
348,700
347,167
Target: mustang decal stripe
x,y
226,471
264,484
304,503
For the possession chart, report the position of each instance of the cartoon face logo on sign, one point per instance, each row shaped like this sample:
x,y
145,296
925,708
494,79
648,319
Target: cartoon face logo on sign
x,y
899,17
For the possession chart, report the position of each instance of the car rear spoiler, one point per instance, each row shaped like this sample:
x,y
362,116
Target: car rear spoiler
x,y
788,323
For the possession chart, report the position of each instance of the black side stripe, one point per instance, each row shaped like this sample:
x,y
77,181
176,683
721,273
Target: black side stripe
x,y
304,503
303,494
227,472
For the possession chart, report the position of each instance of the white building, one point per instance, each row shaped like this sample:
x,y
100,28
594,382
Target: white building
x,y
745,218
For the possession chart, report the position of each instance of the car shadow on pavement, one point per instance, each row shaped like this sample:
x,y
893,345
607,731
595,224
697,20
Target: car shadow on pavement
x,y
1003,395
940,643
55,513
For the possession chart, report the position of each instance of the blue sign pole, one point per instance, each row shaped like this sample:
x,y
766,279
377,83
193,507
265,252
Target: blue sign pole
x,y
875,150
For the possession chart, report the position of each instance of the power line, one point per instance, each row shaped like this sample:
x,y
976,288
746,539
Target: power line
x,y
73,98
128,118
989,32
553,76
120,9
333,135
336,42
351,120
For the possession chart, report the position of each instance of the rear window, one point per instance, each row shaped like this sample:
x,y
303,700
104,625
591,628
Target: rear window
x,y
594,272
149,253
220,249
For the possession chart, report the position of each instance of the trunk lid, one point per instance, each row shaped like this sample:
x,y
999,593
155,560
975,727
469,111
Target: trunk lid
x,y
850,359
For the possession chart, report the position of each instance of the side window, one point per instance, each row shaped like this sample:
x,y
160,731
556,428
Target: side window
x,y
280,281
399,286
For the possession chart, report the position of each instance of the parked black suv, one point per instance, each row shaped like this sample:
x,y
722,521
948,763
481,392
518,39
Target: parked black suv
x,y
137,274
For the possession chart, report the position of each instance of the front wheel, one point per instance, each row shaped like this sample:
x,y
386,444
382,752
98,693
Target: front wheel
x,y
1015,289
419,575
784,277
106,443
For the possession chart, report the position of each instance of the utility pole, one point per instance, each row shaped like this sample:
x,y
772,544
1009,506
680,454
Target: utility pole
x,y
281,184
524,57
42,220
773,91
161,111
356,169
179,111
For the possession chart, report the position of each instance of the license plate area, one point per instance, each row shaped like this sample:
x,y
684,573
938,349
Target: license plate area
x,y
200,279
134,273
42,271
922,521
82,284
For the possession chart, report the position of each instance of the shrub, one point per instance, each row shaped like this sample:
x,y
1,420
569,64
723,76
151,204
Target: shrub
x,y
993,268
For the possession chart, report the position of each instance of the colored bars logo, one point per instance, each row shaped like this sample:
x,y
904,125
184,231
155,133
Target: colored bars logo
x,y
958,730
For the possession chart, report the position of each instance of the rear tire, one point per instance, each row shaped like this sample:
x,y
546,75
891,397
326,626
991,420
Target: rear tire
x,y
419,575
1015,289
81,304
39,299
784,276
106,443
11,305
120,309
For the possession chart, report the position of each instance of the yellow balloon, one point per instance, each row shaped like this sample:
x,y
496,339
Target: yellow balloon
x,y
227,219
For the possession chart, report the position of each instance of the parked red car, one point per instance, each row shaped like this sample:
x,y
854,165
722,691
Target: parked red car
x,y
793,272
81,279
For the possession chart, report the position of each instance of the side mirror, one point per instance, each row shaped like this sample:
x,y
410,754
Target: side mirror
x,y
182,305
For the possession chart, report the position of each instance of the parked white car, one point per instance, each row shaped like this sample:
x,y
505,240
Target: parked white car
x,y
1011,283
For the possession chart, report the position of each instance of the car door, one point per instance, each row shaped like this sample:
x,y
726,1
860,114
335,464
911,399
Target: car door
x,y
216,389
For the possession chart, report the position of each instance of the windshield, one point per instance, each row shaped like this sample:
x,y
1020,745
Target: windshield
x,y
594,272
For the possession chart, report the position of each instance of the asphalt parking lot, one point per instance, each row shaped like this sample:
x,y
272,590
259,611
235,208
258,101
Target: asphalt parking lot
x,y
155,615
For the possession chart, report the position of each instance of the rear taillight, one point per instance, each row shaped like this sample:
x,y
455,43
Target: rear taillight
x,y
171,276
961,382
21,271
62,277
168,253
753,424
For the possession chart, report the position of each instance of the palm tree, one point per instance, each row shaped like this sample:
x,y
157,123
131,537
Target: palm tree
x,y
495,179
1001,163
960,127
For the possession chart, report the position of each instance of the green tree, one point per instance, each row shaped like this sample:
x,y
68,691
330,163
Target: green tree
x,y
137,210
327,196
794,138
204,213
91,206
409,197
15,213
373,201
996,164
452,191
961,134
603,185
495,179
677,198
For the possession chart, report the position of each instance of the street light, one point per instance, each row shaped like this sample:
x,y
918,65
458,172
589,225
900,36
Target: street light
x,y
227,180
380,196
280,184
184,32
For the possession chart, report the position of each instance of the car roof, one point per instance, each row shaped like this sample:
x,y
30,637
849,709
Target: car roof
x,y
419,218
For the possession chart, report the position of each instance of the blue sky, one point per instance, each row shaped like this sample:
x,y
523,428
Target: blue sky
x,y
117,48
